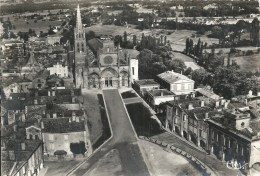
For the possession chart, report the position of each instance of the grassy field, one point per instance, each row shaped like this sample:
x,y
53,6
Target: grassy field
x,y
22,26
248,63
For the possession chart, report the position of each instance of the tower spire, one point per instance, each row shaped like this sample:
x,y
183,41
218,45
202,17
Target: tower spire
x,y
79,27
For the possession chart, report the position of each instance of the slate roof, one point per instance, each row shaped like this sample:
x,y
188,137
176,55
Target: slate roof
x,y
62,125
95,44
172,77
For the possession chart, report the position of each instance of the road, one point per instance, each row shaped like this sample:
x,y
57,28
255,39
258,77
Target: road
x,y
124,140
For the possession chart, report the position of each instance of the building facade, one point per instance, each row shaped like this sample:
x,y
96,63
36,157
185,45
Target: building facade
x,y
175,82
108,66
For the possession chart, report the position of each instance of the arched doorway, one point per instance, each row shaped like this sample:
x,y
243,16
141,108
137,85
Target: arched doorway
x,y
185,135
193,138
109,74
203,144
177,130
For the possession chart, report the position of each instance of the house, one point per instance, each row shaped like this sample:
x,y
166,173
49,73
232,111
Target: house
x,y
206,92
175,82
235,136
59,69
155,97
21,157
144,85
39,81
65,136
53,39
9,109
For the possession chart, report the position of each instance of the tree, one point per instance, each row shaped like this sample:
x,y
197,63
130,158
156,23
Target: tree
x,y
90,35
239,27
177,65
134,40
254,32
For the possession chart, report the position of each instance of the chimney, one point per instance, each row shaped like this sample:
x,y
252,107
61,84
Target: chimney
x,y
15,128
73,99
223,102
49,93
206,115
35,101
53,93
190,107
42,125
161,93
246,101
77,119
54,115
217,104
69,120
258,94
48,115
225,105
250,93
23,146
202,103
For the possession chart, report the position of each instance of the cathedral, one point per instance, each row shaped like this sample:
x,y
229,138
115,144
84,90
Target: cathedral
x,y
99,64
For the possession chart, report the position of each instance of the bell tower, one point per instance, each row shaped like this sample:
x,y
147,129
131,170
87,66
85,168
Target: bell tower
x,y
80,50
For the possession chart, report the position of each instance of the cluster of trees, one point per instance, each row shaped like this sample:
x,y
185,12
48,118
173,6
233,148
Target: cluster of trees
x,y
226,81
194,49
153,63
78,148
151,43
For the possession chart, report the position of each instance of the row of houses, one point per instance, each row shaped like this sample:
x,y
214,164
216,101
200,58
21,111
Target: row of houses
x,y
228,129
47,125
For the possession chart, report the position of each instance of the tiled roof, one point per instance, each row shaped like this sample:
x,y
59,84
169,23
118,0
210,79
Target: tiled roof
x,y
62,125
42,74
172,77
13,104
95,44
208,93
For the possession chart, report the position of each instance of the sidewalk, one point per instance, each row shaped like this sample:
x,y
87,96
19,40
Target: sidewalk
x,y
43,171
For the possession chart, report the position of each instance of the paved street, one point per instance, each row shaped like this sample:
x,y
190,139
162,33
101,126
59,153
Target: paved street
x,y
213,163
124,140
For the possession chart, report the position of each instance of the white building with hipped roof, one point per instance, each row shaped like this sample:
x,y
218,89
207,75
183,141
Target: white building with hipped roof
x,y
175,82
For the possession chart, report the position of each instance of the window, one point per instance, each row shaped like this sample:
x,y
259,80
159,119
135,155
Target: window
x,y
178,86
200,133
82,47
50,137
12,90
51,146
184,118
133,70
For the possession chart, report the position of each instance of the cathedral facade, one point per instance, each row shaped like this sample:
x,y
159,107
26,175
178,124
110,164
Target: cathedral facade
x,y
100,64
